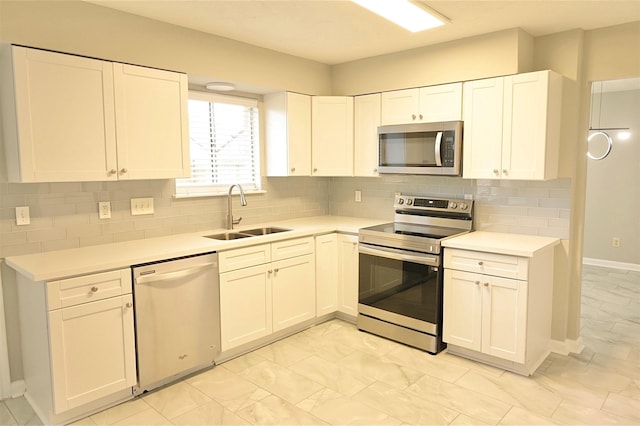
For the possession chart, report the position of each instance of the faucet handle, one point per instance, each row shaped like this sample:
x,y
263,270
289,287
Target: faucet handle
x,y
236,221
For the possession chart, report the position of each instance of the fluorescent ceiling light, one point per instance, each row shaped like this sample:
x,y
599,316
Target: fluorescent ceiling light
x,y
220,86
412,16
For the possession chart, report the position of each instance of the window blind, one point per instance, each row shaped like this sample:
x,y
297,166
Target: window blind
x,y
224,144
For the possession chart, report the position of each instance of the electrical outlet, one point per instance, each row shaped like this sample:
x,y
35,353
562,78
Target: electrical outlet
x,y
358,196
22,216
141,206
615,242
104,210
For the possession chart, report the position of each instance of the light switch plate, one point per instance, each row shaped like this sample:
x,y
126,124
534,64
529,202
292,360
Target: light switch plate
x,y
104,210
22,216
141,206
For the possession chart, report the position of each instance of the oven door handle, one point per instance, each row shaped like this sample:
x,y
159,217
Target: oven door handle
x,y
401,255
438,149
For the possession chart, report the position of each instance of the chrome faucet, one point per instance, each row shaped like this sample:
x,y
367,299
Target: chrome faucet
x,y
243,202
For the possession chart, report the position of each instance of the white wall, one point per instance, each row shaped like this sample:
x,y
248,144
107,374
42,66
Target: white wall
x,y
613,192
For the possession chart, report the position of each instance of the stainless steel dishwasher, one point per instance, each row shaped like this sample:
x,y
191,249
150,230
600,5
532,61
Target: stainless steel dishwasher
x,y
177,315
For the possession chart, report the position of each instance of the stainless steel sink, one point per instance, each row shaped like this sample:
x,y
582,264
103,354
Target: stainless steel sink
x,y
265,231
247,233
228,236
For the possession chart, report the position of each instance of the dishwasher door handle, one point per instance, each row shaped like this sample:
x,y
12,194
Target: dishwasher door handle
x,y
173,275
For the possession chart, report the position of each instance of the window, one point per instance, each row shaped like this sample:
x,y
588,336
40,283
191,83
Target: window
x,y
224,145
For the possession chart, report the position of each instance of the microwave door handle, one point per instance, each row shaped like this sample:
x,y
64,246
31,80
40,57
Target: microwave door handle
x,y
437,149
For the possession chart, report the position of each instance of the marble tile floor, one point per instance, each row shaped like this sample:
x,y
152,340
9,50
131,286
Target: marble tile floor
x,y
334,374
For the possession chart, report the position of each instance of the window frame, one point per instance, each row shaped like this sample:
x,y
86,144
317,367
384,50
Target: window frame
x,y
193,191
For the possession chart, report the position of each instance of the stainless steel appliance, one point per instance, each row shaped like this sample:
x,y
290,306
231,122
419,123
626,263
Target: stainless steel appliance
x,y
400,270
421,148
177,315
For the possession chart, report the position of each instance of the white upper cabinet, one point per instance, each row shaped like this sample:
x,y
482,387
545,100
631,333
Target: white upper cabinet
x,y
152,123
288,134
422,105
366,110
70,118
332,135
512,127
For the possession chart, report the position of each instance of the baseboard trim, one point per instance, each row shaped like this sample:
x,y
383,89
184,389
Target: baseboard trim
x,y
610,264
18,388
567,346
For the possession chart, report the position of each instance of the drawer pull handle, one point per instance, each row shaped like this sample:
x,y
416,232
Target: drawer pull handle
x,y
94,289
480,263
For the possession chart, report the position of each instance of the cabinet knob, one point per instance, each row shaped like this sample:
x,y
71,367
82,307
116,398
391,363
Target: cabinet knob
x,y
123,171
496,171
315,170
94,289
269,272
486,284
476,282
480,263
293,169
112,171
375,170
413,116
276,270
129,305
420,116
505,171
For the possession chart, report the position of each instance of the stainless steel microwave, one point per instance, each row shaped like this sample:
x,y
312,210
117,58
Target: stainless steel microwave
x,y
421,148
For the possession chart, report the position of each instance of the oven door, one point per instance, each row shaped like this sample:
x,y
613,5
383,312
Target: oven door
x,y
400,287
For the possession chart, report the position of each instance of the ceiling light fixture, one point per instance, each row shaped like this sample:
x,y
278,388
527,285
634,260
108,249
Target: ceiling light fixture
x,y
220,86
411,15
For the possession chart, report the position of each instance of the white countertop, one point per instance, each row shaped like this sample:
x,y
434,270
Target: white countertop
x,y
495,242
54,265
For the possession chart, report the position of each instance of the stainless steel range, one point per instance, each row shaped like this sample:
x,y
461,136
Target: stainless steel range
x,y
400,271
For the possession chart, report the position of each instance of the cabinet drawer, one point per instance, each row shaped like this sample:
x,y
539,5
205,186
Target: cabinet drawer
x,y
291,248
88,288
499,265
244,257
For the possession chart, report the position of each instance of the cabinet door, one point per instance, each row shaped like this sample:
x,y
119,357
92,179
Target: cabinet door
x,y
482,113
524,139
294,291
326,274
348,274
504,318
245,306
92,351
365,137
441,103
462,309
64,110
152,123
400,107
332,135
288,134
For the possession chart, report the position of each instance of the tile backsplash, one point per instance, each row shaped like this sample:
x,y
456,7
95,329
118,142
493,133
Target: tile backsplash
x,y
65,215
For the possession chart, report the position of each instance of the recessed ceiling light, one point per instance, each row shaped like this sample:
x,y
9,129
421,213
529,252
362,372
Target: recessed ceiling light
x,y
411,15
220,86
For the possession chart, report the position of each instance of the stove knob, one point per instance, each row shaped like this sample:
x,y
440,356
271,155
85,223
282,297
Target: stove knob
x,y
400,200
463,206
409,201
453,205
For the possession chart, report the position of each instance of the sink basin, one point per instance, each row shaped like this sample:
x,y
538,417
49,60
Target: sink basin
x,y
228,236
264,231
248,233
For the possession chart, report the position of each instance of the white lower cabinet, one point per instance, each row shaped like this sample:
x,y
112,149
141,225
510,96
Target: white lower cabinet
x,y
497,308
348,274
326,274
78,343
277,291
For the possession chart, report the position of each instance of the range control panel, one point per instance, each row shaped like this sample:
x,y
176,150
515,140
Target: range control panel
x,y
432,204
